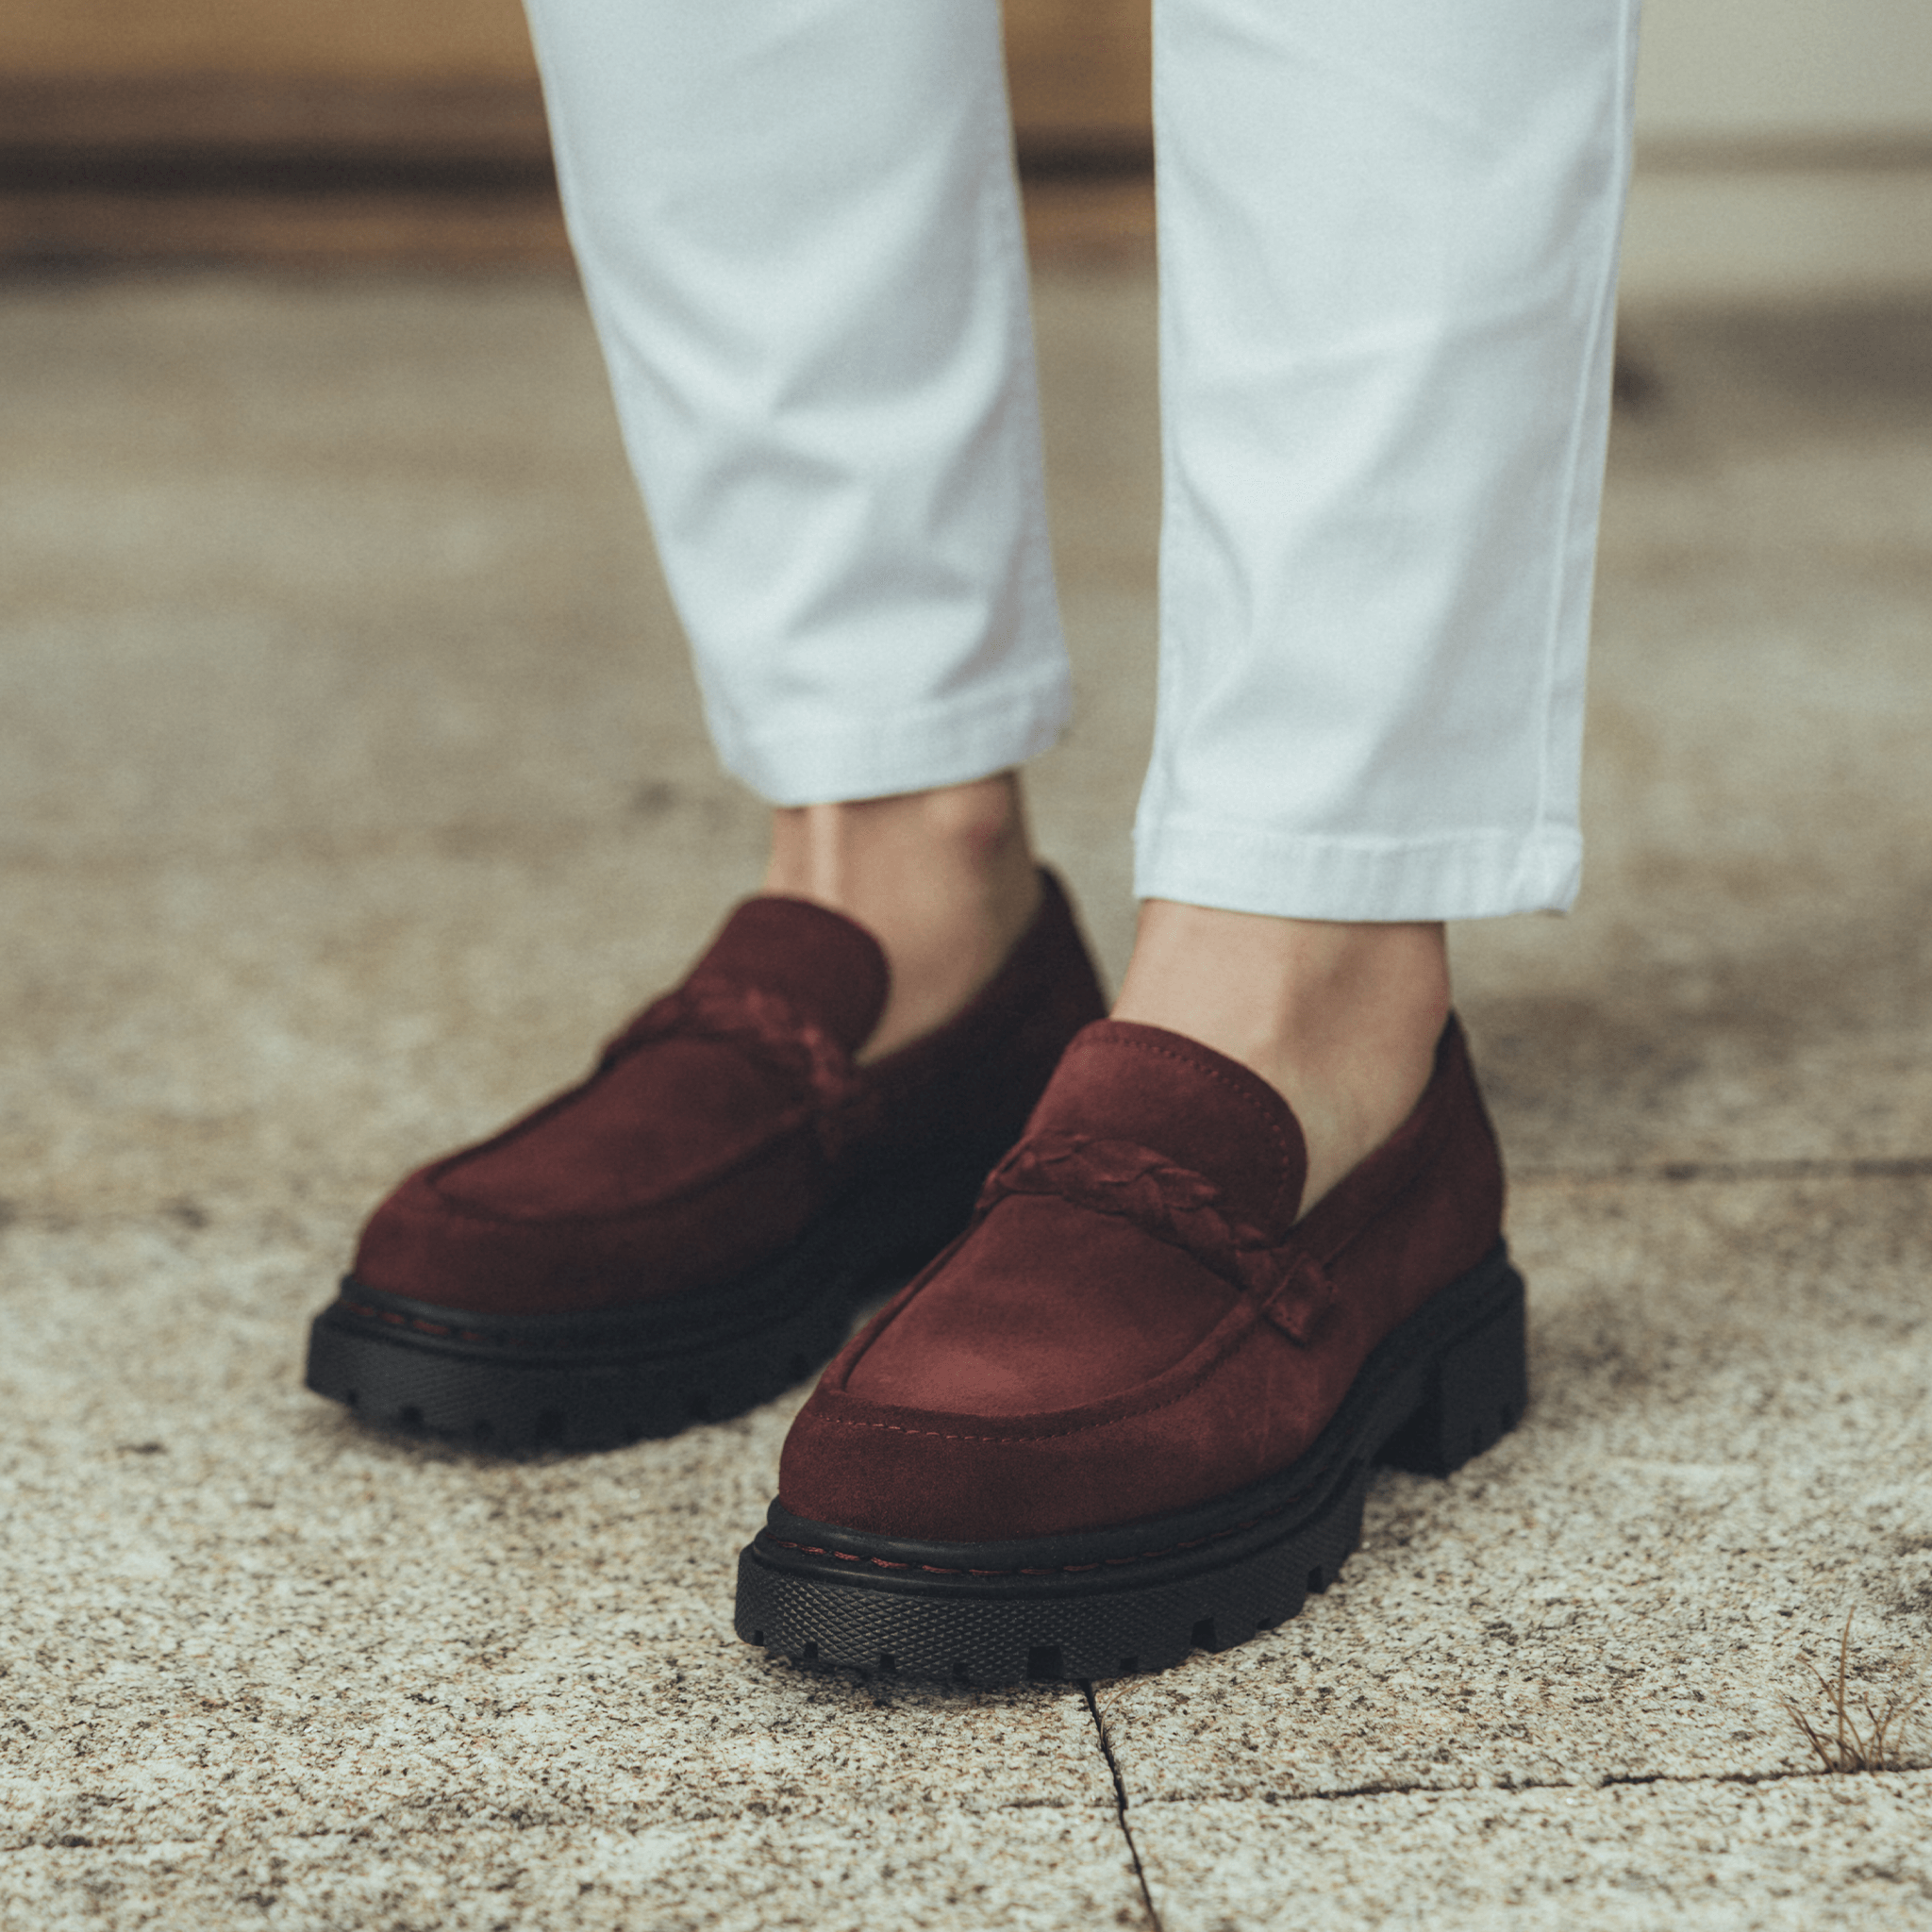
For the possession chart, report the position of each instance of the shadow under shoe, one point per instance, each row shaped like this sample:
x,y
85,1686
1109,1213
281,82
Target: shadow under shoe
x,y
687,1232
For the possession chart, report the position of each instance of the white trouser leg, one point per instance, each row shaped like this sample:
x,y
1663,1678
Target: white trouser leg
x,y
799,233
1387,245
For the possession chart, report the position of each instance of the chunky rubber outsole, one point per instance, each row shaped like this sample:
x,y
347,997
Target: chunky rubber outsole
x,y
598,1381
1441,1389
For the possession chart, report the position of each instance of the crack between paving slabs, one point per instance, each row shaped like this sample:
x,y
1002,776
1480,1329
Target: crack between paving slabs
x,y
1120,1794
383,1833
370,1834
1552,1784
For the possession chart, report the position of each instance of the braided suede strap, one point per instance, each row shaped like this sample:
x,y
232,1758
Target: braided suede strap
x,y
771,1028
1176,1206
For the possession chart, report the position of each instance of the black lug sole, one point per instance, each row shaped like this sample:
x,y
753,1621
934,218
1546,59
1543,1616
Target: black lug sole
x,y
515,1383
1441,1389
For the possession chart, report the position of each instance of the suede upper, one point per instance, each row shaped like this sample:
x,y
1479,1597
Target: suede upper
x,y
725,1119
1136,1321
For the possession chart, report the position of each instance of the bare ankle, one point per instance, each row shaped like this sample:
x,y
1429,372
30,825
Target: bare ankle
x,y
1341,1019
945,880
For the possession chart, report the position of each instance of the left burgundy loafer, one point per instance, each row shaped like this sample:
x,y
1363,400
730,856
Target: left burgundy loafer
x,y
687,1231
1135,1409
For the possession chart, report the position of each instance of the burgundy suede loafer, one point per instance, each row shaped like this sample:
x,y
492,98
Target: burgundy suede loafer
x,y
687,1231
1135,1409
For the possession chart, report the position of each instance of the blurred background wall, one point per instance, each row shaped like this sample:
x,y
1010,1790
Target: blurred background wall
x,y
361,129
1786,145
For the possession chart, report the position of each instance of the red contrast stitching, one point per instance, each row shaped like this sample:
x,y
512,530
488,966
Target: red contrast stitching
x,y
395,1319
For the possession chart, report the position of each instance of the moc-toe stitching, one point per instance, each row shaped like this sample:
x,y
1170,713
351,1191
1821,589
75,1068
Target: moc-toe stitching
x,y
799,1127
1241,1325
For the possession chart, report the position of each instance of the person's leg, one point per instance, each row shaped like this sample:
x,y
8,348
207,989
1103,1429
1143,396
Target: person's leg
x,y
799,233
1388,255
1340,1017
945,880
798,227
1136,1408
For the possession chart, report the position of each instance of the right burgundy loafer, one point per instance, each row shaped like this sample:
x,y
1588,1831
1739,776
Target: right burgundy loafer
x,y
688,1232
1134,1410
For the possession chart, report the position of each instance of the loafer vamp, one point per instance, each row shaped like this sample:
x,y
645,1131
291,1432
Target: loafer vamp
x,y
702,1143
636,1140
422,1245
728,1122
1064,1368
982,1341
1238,1404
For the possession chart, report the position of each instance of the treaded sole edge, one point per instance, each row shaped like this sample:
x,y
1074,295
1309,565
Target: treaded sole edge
x,y
1455,1406
566,1398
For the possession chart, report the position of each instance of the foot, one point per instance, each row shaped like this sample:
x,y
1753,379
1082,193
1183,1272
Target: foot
x,y
1341,1020
685,1232
1134,1409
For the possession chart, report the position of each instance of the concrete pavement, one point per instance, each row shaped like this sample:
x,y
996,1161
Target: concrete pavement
x,y
352,790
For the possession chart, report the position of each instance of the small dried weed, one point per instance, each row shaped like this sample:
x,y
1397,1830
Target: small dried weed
x,y
1840,1741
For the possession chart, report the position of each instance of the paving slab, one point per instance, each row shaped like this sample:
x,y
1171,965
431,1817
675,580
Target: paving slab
x,y
1748,973
232,1609
1727,1452
352,789
1036,1870
298,1026
1784,1857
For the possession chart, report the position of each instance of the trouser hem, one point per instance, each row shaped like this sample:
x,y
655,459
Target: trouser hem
x,y
914,749
1475,874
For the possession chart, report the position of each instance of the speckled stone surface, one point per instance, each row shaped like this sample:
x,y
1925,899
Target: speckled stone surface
x,y
352,790
1748,975
871,1870
239,1611
1729,1447
1719,1858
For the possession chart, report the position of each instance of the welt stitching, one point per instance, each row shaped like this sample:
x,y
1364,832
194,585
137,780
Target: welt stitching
x,y
394,1318
1192,1543
494,1338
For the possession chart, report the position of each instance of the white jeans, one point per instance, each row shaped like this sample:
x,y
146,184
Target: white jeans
x,y
1387,236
